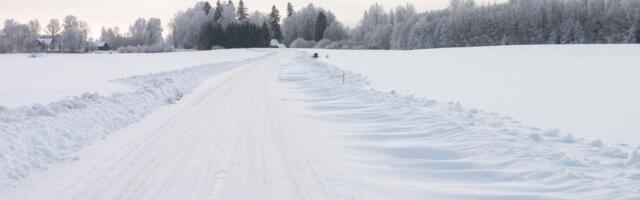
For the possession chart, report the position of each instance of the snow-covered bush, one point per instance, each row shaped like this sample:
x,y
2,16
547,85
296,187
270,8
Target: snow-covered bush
x,y
344,44
323,43
302,43
217,47
157,48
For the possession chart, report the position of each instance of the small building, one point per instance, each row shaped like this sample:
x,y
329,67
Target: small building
x,y
101,46
43,44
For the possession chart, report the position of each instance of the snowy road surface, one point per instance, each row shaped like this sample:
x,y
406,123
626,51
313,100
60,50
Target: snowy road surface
x,y
236,141
285,127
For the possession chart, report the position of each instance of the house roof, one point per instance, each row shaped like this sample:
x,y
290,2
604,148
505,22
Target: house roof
x,y
45,41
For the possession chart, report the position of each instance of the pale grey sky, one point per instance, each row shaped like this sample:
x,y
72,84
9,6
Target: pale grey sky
x,y
122,13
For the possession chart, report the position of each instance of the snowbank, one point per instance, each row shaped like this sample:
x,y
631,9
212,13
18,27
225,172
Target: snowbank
x,y
590,91
415,146
35,136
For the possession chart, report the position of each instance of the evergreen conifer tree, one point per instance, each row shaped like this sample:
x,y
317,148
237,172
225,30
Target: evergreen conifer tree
x,y
205,41
274,24
206,8
243,14
217,13
290,9
321,26
265,37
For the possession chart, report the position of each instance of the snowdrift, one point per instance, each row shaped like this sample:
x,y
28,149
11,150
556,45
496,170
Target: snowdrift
x,y
416,146
35,136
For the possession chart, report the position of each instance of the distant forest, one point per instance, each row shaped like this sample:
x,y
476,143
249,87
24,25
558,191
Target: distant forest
x,y
463,23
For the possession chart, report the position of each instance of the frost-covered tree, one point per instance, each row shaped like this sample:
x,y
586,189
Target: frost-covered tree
x,y
113,37
15,37
153,32
186,26
71,34
52,29
404,18
138,31
336,32
85,30
465,23
375,28
303,23
257,18
228,14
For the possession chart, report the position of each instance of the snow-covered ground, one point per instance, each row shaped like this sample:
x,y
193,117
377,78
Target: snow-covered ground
x,y
25,81
285,126
590,91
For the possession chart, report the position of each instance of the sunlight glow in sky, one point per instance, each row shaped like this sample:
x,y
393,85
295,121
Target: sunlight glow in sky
x,y
122,13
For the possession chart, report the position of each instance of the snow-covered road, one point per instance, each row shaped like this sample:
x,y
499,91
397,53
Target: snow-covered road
x,y
286,127
234,140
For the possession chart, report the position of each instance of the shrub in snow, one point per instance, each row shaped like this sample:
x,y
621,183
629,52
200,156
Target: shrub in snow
x,y
157,48
344,44
535,137
217,47
571,162
323,43
613,153
302,44
596,143
552,133
634,158
568,139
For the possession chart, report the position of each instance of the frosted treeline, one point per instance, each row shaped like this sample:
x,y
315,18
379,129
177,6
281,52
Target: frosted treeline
x,y
224,25
72,35
465,23
462,24
142,33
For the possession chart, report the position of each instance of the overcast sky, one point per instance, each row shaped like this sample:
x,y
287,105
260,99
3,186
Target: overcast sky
x,y
122,13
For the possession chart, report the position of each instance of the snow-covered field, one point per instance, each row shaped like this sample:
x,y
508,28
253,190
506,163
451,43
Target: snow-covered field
x,y
25,81
590,91
281,125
